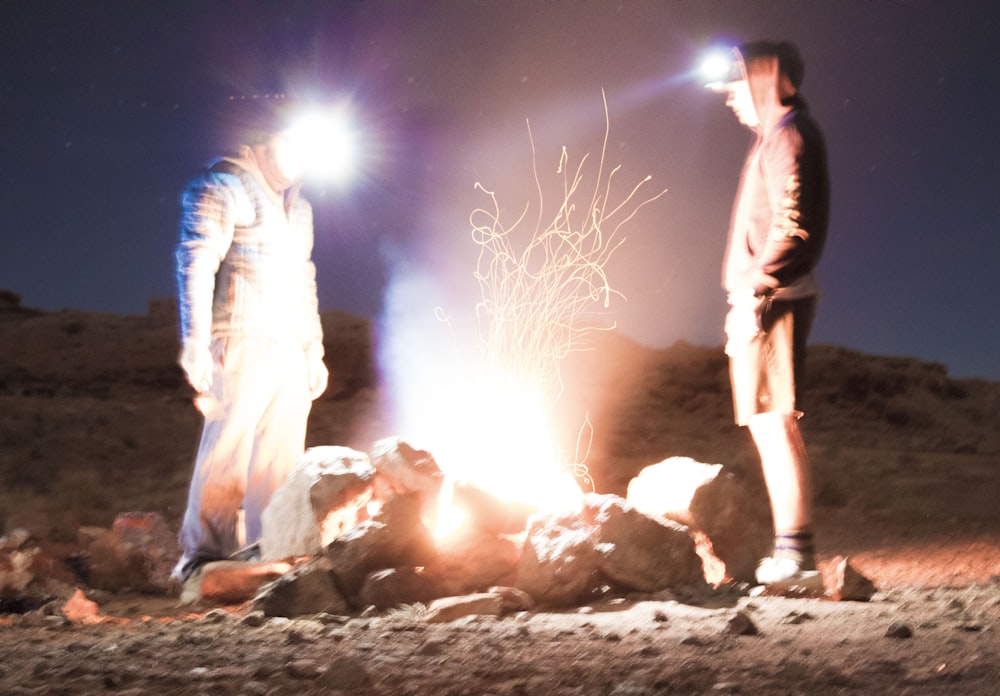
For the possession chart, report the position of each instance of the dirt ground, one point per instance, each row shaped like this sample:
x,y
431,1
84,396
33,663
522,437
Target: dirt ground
x,y
907,476
938,639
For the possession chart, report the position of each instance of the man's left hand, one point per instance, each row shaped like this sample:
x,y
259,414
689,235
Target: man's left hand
x,y
318,376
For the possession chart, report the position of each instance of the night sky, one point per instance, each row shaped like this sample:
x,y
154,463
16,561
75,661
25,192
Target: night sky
x,y
108,108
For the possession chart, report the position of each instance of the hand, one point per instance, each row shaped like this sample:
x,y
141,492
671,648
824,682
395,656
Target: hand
x,y
743,322
196,361
318,376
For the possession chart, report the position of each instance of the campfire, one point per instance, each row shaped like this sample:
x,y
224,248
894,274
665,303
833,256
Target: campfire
x,y
388,554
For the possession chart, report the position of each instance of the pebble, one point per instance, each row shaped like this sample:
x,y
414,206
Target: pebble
x,y
741,625
254,619
898,630
302,669
345,673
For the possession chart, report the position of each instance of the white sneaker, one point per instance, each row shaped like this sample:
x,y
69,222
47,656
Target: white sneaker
x,y
787,574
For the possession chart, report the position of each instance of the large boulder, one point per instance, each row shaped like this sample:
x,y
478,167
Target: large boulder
x,y
394,587
738,525
472,560
559,562
137,553
408,468
733,527
394,538
308,589
640,552
325,495
403,470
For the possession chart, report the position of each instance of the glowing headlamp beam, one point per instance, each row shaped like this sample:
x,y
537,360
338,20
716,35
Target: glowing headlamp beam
x,y
324,141
720,67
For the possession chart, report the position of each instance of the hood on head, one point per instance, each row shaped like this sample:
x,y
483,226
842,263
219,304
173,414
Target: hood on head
x,y
774,73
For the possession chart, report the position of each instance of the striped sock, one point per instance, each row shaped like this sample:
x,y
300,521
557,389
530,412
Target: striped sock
x,y
796,545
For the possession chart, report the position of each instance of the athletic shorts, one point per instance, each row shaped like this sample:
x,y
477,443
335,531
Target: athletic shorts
x,y
767,371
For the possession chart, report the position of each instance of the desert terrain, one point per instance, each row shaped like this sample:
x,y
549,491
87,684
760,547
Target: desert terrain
x,y
96,420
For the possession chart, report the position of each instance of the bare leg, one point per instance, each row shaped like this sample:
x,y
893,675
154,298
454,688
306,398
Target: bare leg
x,y
786,468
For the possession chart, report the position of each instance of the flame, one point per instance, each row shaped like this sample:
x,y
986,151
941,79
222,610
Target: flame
x,y
450,517
498,438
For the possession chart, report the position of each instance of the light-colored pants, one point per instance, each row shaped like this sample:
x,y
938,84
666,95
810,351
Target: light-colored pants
x,y
255,427
767,365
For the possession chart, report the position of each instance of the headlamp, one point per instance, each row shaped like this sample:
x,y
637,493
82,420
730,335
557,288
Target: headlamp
x,y
324,142
722,67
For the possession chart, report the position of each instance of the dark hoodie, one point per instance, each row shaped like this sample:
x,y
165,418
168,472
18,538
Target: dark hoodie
x,y
781,212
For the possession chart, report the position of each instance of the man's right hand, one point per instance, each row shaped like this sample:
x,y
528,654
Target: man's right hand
x,y
743,321
196,361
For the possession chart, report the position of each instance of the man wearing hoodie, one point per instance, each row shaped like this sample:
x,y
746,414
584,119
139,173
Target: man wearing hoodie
x,y
776,236
251,339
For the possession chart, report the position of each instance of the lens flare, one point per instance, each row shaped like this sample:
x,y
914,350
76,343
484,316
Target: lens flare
x,y
324,140
715,67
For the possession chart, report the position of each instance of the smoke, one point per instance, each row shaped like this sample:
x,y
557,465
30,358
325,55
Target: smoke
x,y
476,324
420,350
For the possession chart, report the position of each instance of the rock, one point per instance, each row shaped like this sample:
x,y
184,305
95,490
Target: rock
x,y
137,553
640,552
403,469
898,630
712,502
795,617
254,619
737,524
232,582
106,564
393,587
431,648
80,609
303,669
30,577
514,600
325,495
472,560
665,489
344,674
308,589
16,571
844,583
741,625
393,538
452,608
215,616
559,562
